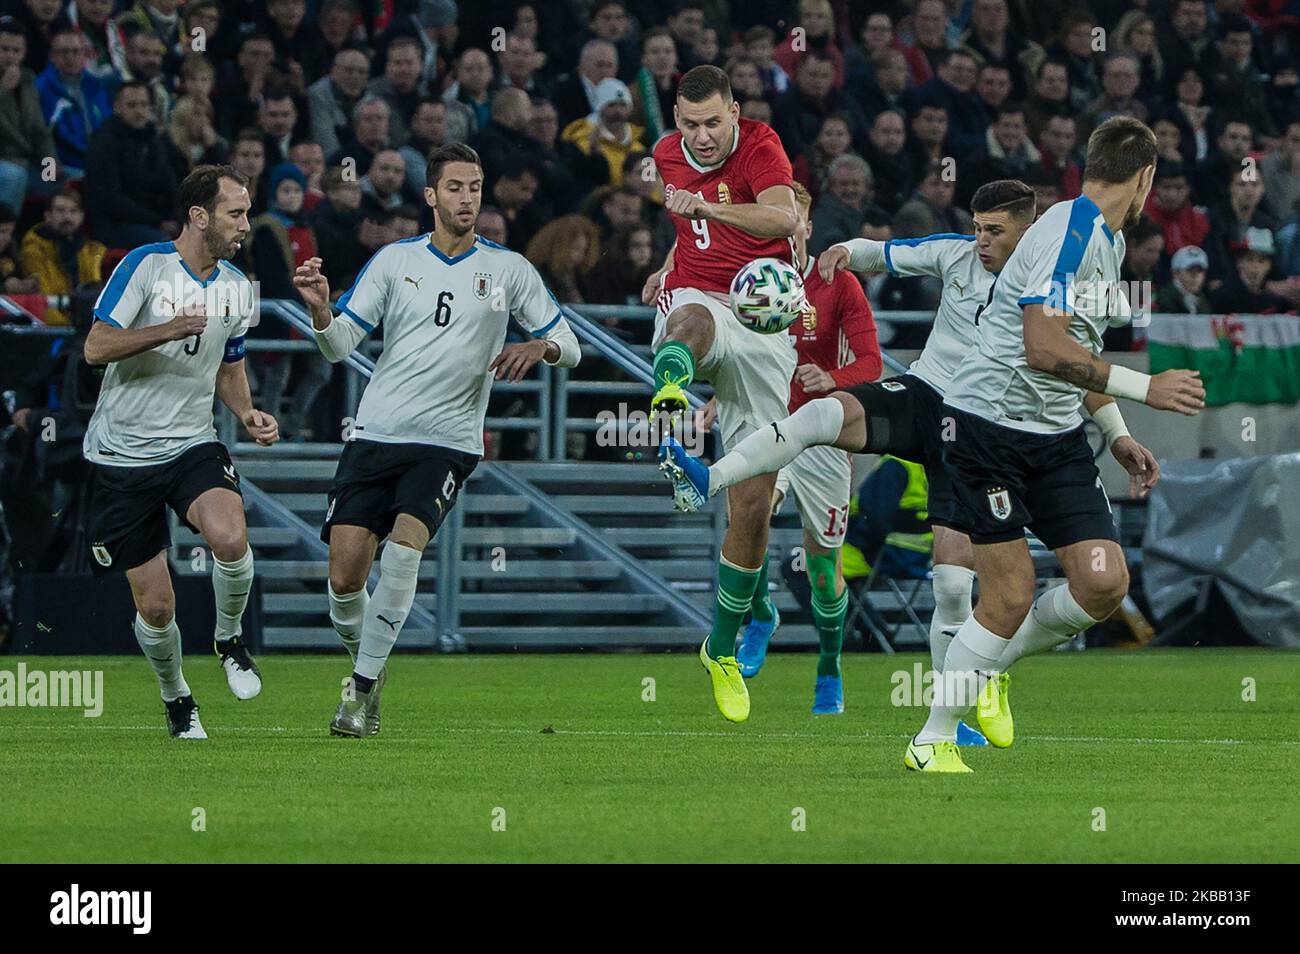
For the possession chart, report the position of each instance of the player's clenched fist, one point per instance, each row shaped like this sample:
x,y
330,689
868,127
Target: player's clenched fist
x,y
191,320
687,204
311,284
1177,390
651,290
831,261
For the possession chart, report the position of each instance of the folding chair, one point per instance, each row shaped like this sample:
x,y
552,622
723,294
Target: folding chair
x,y
900,594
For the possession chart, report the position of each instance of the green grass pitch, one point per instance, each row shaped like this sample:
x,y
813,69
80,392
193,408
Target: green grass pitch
x,y
1162,741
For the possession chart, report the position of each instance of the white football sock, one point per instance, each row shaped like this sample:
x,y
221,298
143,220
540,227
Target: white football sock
x,y
770,448
231,582
399,570
347,613
952,587
161,645
974,652
1053,619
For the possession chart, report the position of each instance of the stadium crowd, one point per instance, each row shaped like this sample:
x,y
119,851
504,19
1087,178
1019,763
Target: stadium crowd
x,y
893,112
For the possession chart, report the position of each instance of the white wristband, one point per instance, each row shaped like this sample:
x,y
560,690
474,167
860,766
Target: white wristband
x,y
1111,422
1127,383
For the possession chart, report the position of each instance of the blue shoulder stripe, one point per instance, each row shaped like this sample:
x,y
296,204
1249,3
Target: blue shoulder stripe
x,y
122,275
913,242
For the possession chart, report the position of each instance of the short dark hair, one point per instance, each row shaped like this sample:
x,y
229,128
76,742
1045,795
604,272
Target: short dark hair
x,y
134,84
12,27
1005,195
72,195
452,152
1170,169
202,186
1144,231
1234,23
1009,109
653,34
1119,149
702,82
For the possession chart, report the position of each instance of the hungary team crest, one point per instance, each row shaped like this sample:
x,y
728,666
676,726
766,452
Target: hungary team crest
x,y
482,285
1000,502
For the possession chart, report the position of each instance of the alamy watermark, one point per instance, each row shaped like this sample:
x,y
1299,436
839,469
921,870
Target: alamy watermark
x,y
633,428
70,689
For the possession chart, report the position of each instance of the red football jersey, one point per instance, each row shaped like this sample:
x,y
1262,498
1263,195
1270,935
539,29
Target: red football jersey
x,y
709,254
838,334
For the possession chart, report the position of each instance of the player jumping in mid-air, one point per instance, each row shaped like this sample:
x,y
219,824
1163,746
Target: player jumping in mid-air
x,y
444,300
903,416
727,183
1018,456
170,325
836,345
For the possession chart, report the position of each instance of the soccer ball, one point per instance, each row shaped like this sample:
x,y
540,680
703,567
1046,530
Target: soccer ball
x,y
767,295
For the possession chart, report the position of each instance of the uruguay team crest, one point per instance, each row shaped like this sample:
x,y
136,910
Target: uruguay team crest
x,y
102,556
482,285
1000,502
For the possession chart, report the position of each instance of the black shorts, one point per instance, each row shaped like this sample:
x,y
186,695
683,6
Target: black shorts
x,y
377,481
1006,480
128,516
905,419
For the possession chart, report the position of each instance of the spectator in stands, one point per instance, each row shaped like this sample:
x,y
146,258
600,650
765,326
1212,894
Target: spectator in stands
x,y
929,140
197,78
337,26
686,24
1184,293
929,38
520,65
428,131
192,138
402,86
1047,189
888,159
280,241
1281,171
1145,244
952,90
491,224
930,209
1244,291
1057,143
276,119
513,194
248,156
1236,82
1007,153
991,41
506,135
560,164
817,22
1074,47
158,19
832,142
331,99
25,139
203,16
469,106
298,44
381,186
759,110
614,208
876,37
1230,220
654,90
563,250
240,84
608,131
1231,147
992,89
621,273
310,158
1135,33
1170,208
93,18
12,279
73,101
608,20
1192,115
742,73
434,25
1187,45
1120,76
801,110
842,208
59,255
1288,241
889,87
131,193
575,94
369,135
336,224
760,46
1050,96
143,61
1169,139
39,19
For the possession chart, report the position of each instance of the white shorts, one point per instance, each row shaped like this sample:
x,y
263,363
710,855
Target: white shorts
x,y
820,479
750,372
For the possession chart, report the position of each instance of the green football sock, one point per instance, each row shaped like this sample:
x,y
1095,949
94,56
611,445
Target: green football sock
x,y
674,362
761,604
735,593
828,613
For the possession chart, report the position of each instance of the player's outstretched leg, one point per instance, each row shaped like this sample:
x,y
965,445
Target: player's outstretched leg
x,y
764,621
688,336
830,598
218,514
952,581
160,641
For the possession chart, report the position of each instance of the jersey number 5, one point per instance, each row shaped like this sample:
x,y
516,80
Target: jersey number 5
x,y
442,314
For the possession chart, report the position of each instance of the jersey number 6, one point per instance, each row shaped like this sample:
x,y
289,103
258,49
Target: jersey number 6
x,y
442,315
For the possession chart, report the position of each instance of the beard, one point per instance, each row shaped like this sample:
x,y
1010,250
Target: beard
x,y
447,219
1133,217
216,246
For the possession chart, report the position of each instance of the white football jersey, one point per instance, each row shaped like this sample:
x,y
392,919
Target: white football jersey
x,y
444,320
155,405
1069,260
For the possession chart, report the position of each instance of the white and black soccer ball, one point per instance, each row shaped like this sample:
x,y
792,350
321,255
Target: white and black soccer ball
x,y
767,295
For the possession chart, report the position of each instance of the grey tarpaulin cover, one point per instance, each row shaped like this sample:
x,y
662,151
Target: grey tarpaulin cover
x,y
1235,523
